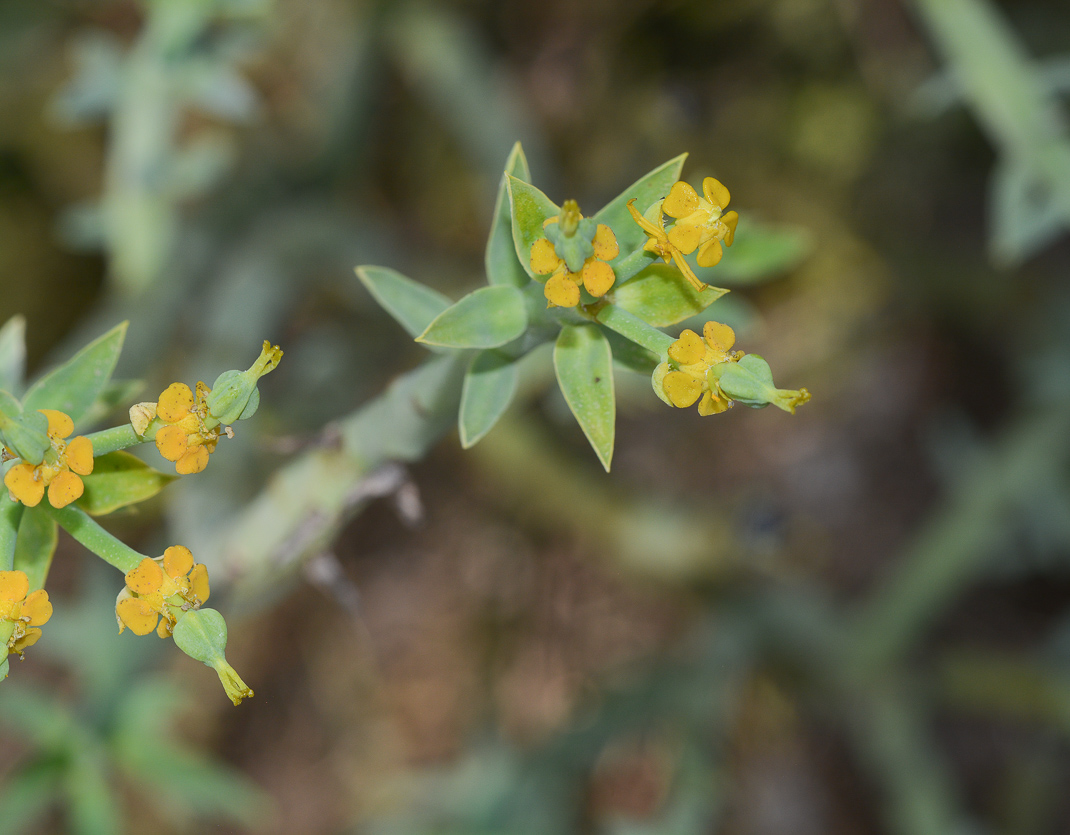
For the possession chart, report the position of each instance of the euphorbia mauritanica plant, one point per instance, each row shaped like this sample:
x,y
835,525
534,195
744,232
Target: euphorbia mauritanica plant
x,y
55,479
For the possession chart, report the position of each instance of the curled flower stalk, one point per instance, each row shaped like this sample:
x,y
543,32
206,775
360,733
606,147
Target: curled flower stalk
x,y
64,462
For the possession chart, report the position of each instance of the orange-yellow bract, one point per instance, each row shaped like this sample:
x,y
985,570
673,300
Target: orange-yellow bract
x,y
157,587
685,378
64,462
185,439
21,610
700,221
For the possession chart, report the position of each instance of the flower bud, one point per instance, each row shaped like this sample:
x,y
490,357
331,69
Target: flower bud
x,y
750,382
202,634
234,394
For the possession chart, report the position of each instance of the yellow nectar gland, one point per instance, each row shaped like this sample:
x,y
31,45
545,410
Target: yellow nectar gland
x,y
64,462
157,587
700,221
685,379
185,439
21,611
562,289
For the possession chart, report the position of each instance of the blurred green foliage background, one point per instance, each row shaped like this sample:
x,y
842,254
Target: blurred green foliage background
x,y
850,621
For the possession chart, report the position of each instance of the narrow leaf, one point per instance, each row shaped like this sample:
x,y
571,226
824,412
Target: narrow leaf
x,y
13,354
489,387
584,366
413,305
36,545
486,318
120,479
530,209
74,386
661,296
647,189
500,260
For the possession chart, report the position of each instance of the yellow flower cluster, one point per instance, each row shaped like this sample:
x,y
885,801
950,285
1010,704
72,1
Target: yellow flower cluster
x,y
158,587
685,379
59,472
550,256
185,439
24,611
701,223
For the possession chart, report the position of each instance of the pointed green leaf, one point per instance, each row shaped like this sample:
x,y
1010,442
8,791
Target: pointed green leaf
x,y
38,537
584,366
530,209
10,517
413,305
120,479
116,393
661,296
629,355
646,190
486,318
13,354
74,386
500,259
489,387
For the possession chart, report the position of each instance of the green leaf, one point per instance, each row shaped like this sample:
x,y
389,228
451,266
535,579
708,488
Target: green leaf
x,y
114,394
530,208
120,479
584,365
10,518
36,545
760,252
486,318
629,355
74,387
488,388
13,354
500,259
413,305
647,189
661,296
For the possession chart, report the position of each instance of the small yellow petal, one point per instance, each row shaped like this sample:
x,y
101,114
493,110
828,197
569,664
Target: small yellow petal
x,y
64,489
25,485
198,582
29,638
80,455
13,585
544,259
715,192
172,442
710,254
720,337
141,415
712,404
193,462
605,243
730,219
681,202
59,424
37,608
681,389
136,614
562,291
688,349
685,237
164,629
597,276
175,403
177,561
145,579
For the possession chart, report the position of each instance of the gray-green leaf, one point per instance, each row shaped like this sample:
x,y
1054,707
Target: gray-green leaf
x,y
486,318
489,387
500,259
662,297
120,479
530,209
413,305
38,537
584,365
647,189
13,354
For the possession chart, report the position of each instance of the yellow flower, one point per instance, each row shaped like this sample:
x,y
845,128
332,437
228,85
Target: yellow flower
x,y
186,439
59,472
21,612
686,379
660,245
700,221
574,252
158,587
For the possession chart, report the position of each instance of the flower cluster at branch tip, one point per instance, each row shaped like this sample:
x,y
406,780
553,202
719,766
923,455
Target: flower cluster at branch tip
x,y
22,612
686,378
157,589
659,243
64,462
185,438
575,251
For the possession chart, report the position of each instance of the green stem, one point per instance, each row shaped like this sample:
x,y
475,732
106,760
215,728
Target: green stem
x,y
632,327
82,527
10,516
633,264
118,437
